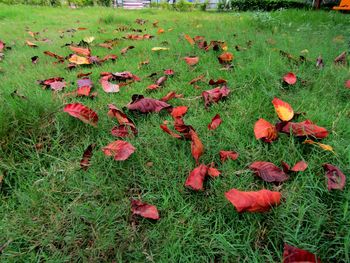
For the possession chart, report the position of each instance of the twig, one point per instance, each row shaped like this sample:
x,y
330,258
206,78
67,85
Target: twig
x,y
5,245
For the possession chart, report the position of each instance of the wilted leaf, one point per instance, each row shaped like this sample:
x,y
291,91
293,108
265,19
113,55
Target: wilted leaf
x,y
145,210
283,109
215,122
224,155
82,112
268,172
161,80
336,178
85,161
120,150
214,95
196,178
265,131
305,128
81,51
325,147
290,78
78,60
225,58
191,61
296,255
258,201
146,105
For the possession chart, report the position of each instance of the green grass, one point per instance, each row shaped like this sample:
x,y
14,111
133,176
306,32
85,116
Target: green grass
x,y
52,211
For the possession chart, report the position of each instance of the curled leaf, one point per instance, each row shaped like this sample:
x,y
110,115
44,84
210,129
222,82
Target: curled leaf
x,y
197,147
305,128
85,161
191,61
82,113
225,58
265,131
225,155
215,122
120,150
145,210
146,105
215,95
336,178
196,178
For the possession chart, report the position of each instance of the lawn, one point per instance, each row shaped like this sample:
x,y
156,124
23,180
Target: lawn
x,y
53,211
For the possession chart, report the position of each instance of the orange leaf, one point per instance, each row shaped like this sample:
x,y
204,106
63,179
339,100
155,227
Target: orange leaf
x,y
189,39
191,61
75,59
265,131
283,109
197,147
81,51
225,58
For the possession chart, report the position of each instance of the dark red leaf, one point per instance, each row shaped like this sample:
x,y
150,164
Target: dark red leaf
x,y
146,105
82,112
217,82
268,172
56,84
224,155
161,80
296,255
120,150
35,59
85,161
319,62
196,178
305,128
336,178
214,95
145,210
166,129
121,117
215,122
259,201
341,59
124,131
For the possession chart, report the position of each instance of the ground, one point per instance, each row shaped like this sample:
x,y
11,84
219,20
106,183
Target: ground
x,y
53,211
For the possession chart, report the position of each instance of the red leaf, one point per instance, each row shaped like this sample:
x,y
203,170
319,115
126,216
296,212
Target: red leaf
x,y
121,117
120,150
109,57
169,72
196,178
81,51
161,80
347,84
212,171
199,78
259,201
224,155
146,105
179,111
197,147
299,167
171,95
124,50
58,57
290,78
214,95
305,128
336,179
108,86
265,131
56,84
2,46
296,255
82,112
217,82
83,91
124,131
145,210
268,172
85,161
153,87
165,128
225,58
191,61
215,122
283,109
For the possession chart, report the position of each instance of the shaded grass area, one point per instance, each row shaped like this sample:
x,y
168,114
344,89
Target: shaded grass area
x,y
52,211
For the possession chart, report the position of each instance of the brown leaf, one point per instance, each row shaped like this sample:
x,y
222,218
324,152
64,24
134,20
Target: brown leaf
x,y
85,161
126,49
341,59
171,95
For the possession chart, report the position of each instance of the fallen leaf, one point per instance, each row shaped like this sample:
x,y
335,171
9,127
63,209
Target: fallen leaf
x,y
160,31
214,95
109,57
283,109
35,59
215,122
56,83
80,75
197,147
299,167
58,57
82,112
89,40
144,210
347,84
169,72
146,105
341,59
171,95
265,131
78,60
336,178
199,78
196,178
225,155
161,80
254,201
179,111
225,58
319,62
305,128
81,51
160,49
124,131
120,150
191,61
290,78
126,49
217,82
212,171
85,161
268,172
325,147
108,86
296,255
189,39
31,44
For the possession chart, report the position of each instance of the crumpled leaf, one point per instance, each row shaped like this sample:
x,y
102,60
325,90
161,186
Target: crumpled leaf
x,y
196,178
265,131
197,147
215,122
85,161
336,178
144,210
56,83
146,105
120,150
268,172
191,61
81,51
283,109
82,112
35,59
214,95
296,255
253,201
169,72
225,58
212,171
305,128
290,78
225,155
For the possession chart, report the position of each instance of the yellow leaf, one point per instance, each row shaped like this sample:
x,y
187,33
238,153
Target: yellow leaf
x,y
89,39
160,48
79,60
325,147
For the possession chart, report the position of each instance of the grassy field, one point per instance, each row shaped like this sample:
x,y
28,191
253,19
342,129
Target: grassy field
x,y
51,211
